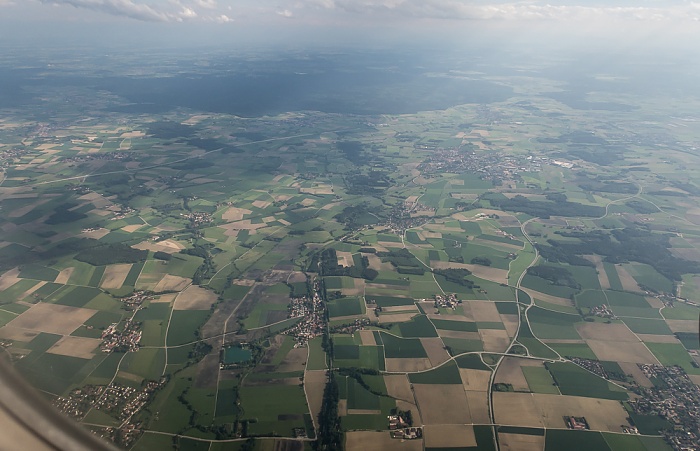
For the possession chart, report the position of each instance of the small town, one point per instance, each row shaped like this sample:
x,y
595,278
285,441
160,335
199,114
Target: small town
x,y
676,399
313,322
126,340
446,301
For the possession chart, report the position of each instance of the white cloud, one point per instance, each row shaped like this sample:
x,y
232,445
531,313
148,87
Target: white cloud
x,y
128,8
285,13
526,10
208,4
223,18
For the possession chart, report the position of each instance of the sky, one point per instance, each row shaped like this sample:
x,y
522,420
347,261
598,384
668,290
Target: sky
x,y
201,22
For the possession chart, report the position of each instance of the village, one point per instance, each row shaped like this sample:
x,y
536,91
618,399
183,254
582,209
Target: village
x,y
676,399
125,340
313,323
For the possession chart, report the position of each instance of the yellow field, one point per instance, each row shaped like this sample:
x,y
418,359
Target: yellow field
x,y
398,387
75,347
52,318
194,298
541,410
518,442
625,351
442,403
115,275
407,365
475,379
449,436
379,441
435,349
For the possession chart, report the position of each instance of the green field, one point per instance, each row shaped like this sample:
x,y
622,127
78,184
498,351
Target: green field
x,y
574,380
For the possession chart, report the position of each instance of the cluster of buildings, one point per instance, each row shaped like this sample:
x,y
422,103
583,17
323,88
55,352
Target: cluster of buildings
x,y
351,328
576,423
197,218
400,217
489,165
675,398
120,401
134,301
298,307
446,301
411,433
126,340
603,311
313,322
595,367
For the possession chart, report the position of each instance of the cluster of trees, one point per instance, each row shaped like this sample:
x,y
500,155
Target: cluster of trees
x,y
110,254
543,209
556,275
403,261
207,268
458,276
637,244
326,264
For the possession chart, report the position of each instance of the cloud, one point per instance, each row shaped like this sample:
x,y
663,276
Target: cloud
x,y
223,18
526,10
285,13
172,11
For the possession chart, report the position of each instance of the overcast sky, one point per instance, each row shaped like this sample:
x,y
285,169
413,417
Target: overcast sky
x,y
673,22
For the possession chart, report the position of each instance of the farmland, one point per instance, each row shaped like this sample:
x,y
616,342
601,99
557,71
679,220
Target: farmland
x,y
482,269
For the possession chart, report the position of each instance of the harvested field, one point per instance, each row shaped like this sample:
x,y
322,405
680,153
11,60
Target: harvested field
x,y
449,436
33,289
401,308
52,318
602,275
314,384
637,374
459,334
495,340
521,442
396,317
9,278
245,224
262,204
435,349
132,228
17,334
235,214
612,332
681,325
628,282
649,338
170,297
623,351
485,311
115,275
169,246
541,410
478,402
63,276
695,378
547,297
342,407
81,347
442,403
367,337
379,441
407,365
477,380
510,372
194,298
95,234
171,283
398,386
511,324
376,263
